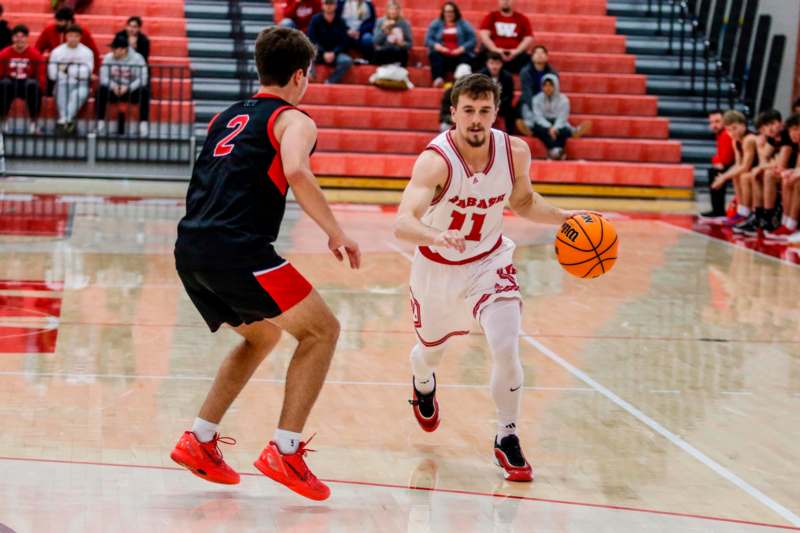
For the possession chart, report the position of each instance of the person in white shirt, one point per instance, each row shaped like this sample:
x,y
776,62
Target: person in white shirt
x,y
71,65
123,78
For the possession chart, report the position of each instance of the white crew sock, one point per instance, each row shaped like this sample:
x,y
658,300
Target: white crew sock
x,y
791,223
501,322
203,429
423,363
783,219
743,210
287,441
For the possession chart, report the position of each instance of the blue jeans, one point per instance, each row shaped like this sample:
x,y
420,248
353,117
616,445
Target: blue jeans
x,y
342,64
363,44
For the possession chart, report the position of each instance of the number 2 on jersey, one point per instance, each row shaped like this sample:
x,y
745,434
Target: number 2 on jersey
x,y
477,223
224,147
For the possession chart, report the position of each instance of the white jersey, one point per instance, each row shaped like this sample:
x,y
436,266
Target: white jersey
x,y
471,203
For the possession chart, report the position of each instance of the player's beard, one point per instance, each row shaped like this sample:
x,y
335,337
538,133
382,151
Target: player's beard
x,y
476,139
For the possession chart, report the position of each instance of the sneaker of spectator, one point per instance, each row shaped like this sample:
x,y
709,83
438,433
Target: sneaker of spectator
x,y
549,118
445,116
5,31
70,67
22,75
297,14
54,35
123,78
508,33
359,16
450,41
393,38
137,40
328,32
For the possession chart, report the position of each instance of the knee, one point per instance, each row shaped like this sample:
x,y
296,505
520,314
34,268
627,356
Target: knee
x,y
344,60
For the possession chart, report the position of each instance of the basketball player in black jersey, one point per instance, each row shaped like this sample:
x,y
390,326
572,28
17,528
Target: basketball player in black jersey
x,y
255,150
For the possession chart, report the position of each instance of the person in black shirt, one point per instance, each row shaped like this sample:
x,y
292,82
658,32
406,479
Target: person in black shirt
x,y
5,31
137,40
328,32
255,150
494,69
787,175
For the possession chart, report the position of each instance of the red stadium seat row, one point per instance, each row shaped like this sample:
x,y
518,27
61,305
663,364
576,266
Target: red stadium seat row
x,y
543,7
589,24
142,8
97,24
174,47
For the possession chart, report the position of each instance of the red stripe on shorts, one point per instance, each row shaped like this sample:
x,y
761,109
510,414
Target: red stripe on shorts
x,y
285,285
431,344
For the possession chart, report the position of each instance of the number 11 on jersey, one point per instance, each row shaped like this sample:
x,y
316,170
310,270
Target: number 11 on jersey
x,y
477,223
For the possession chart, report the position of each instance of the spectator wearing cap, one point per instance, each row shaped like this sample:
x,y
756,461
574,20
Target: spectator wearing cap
x,y
22,75
445,110
123,78
70,67
5,31
55,34
328,32
137,40
298,14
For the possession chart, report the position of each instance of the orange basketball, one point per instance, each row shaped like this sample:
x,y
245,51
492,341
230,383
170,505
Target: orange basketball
x,y
586,246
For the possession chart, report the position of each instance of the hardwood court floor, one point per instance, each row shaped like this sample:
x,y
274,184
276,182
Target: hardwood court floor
x,y
662,397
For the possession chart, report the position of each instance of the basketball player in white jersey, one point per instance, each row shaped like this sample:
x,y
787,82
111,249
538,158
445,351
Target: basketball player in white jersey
x,y
463,271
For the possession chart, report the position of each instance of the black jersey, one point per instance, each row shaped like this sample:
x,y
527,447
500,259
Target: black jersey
x,y
237,195
786,140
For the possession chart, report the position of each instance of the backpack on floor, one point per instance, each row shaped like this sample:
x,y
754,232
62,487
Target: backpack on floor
x,y
391,76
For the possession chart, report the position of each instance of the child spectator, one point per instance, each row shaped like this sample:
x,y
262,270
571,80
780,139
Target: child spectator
x,y
450,41
359,16
445,111
494,69
137,40
508,33
298,13
5,32
723,159
123,78
54,34
549,119
393,36
328,32
71,66
22,75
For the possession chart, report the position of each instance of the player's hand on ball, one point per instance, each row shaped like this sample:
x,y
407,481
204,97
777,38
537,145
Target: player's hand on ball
x,y
451,239
568,214
335,244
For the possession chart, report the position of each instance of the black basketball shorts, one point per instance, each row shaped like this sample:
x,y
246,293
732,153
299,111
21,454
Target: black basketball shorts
x,y
239,297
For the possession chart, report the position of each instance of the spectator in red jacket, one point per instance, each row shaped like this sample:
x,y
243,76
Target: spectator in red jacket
x,y
297,13
22,75
53,35
722,161
508,33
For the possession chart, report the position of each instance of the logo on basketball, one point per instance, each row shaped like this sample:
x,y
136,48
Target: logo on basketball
x,y
569,232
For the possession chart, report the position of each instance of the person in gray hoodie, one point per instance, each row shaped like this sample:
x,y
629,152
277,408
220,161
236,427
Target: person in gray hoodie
x,y
548,118
123,78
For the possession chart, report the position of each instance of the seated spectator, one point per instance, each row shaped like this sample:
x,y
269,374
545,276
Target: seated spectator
x,y
450,41
494,69
71,66
549,119
5,32
297,13
328,32
508,33
75,5
359,16
445,111
745,145
123,78
54,34
393,37
723,160
22,75
137,40
530,80
761,177
788,178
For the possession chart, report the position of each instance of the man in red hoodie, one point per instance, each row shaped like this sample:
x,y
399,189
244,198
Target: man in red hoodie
x,y
53,35
22,75
721,162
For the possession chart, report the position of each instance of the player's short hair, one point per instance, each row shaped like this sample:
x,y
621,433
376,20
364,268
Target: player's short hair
x,y
768,117
280,52
475,86
732,117
793,121
716,111
20,28
73,28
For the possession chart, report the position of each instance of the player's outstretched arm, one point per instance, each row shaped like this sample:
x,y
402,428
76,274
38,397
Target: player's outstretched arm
x,y
524,200
297,134
428,176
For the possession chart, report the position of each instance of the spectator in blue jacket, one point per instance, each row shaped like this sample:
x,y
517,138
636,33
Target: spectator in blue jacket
x,y
450,41
359,16
328,32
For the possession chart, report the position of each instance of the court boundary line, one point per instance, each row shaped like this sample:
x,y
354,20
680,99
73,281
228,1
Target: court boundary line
x,y
684,445
461,492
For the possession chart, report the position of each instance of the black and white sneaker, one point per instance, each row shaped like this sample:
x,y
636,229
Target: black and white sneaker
x,y
508,455
748,226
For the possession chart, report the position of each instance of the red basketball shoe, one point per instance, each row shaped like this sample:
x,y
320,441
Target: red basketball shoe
x,y
508,455
426,408
204,459
291,470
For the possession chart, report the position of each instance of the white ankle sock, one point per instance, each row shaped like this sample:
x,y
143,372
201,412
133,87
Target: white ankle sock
x,y
423,363
287,441
203,429
743,210
791,223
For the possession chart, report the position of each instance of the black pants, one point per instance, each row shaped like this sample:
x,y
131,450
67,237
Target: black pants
x,y
441,64
510,116
140,96
28,90
543,134
717,195
391,54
